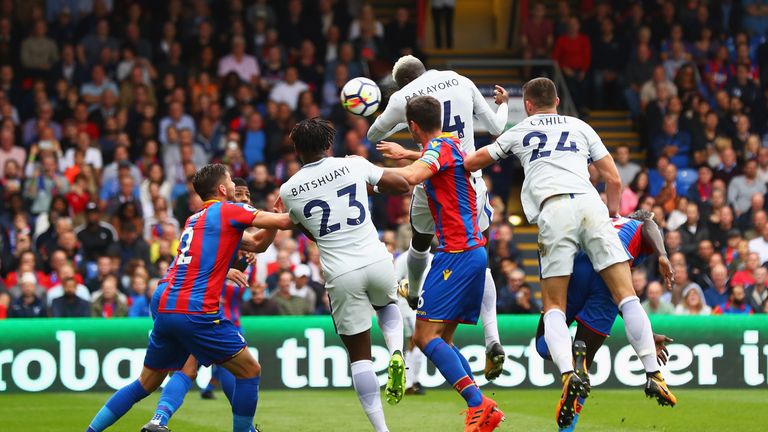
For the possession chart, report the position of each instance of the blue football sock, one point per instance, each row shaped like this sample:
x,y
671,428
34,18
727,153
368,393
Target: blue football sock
x,y
244,400
172,397
227,381
448,363
464,363
117,406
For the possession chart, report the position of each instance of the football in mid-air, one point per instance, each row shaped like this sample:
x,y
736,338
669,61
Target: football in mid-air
x,y
360,96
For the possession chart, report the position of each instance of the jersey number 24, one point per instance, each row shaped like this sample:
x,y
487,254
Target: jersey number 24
x,y
539,152
350,190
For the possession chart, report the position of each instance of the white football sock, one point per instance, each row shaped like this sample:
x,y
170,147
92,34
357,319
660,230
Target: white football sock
x,y
488,311
413,366
367,388
558,340
639,332
417,263
391,324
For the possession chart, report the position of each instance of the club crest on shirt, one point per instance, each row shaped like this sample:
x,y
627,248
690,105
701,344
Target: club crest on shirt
x,y
249,208
447,274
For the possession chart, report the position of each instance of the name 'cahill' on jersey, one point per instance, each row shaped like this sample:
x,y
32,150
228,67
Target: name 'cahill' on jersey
x,y
555,151
330,199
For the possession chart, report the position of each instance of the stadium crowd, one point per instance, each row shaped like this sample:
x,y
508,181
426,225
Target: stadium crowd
x,y
693,76
108,107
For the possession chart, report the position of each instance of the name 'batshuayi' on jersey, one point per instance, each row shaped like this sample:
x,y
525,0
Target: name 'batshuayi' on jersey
x,y
329,198
451,196
207,248
555,151
461,102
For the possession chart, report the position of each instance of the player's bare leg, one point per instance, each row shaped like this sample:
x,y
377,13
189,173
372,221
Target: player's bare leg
x,y
638,329
436,341
122,401
494,352
247,372
364,378
172,396
554,295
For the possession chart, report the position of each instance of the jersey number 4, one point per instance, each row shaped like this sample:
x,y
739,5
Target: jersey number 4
x,y
457,126
350,190
539,152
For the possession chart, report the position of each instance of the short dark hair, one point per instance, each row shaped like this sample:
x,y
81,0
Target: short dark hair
x,y
313,135
641,215
425,112
541,92
207,179
239,181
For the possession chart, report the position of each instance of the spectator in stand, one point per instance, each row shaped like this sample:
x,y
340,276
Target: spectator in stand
x,y
667,196
755,18
9,151
537,36
92,90
399,35
442,22
244,65
287,303
759,245
759,220
718,292
259,304
736,303
288,90
108,302
69,304
673,142
627,168
654,305
508,293
639,71
757,293
29,304
693,303
648,92
693,231
728,167
632,195
743,86
91,47
743,187
302,286
701,190
573,52
746,275
176,119
38,51
139,298
129,246
682,283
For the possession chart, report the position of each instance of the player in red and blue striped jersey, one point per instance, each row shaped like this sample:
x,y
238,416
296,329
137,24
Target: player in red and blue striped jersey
x,y
185,306
591,305
453,290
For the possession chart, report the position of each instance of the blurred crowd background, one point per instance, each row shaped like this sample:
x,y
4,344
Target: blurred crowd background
x,y
107,107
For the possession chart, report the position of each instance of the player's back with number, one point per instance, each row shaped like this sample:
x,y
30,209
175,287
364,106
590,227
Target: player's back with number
x,y
555,151
329,198
207,248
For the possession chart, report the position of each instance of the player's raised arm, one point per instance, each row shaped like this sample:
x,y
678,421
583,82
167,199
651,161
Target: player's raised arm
x,y
493,121
652,239
269,220
392,183
499,149
259,241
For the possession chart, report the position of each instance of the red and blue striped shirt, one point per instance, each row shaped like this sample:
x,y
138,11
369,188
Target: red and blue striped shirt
x,y
232,296
631,235
451,196
207,248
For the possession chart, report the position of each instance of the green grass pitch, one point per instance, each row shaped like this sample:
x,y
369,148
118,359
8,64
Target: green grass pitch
x,y
438,411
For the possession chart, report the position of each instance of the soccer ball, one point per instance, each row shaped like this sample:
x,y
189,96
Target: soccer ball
x,y
360,96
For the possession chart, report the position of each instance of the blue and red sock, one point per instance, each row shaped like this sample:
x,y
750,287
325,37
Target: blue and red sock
x,y
449,362
172,397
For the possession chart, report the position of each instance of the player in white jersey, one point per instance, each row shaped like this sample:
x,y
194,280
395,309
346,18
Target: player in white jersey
x,y
328,200
557,195
461,102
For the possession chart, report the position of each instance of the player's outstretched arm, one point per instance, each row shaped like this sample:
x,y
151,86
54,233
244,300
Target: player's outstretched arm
x,y
259,241
272,221
414,173
651,235
392,183
610,174
395,151
478,160
493,121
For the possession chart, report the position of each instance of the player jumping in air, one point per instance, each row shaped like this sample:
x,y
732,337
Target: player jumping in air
x,y
453,290
328,200
590,302
185,306
461,101
234,287
558,196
